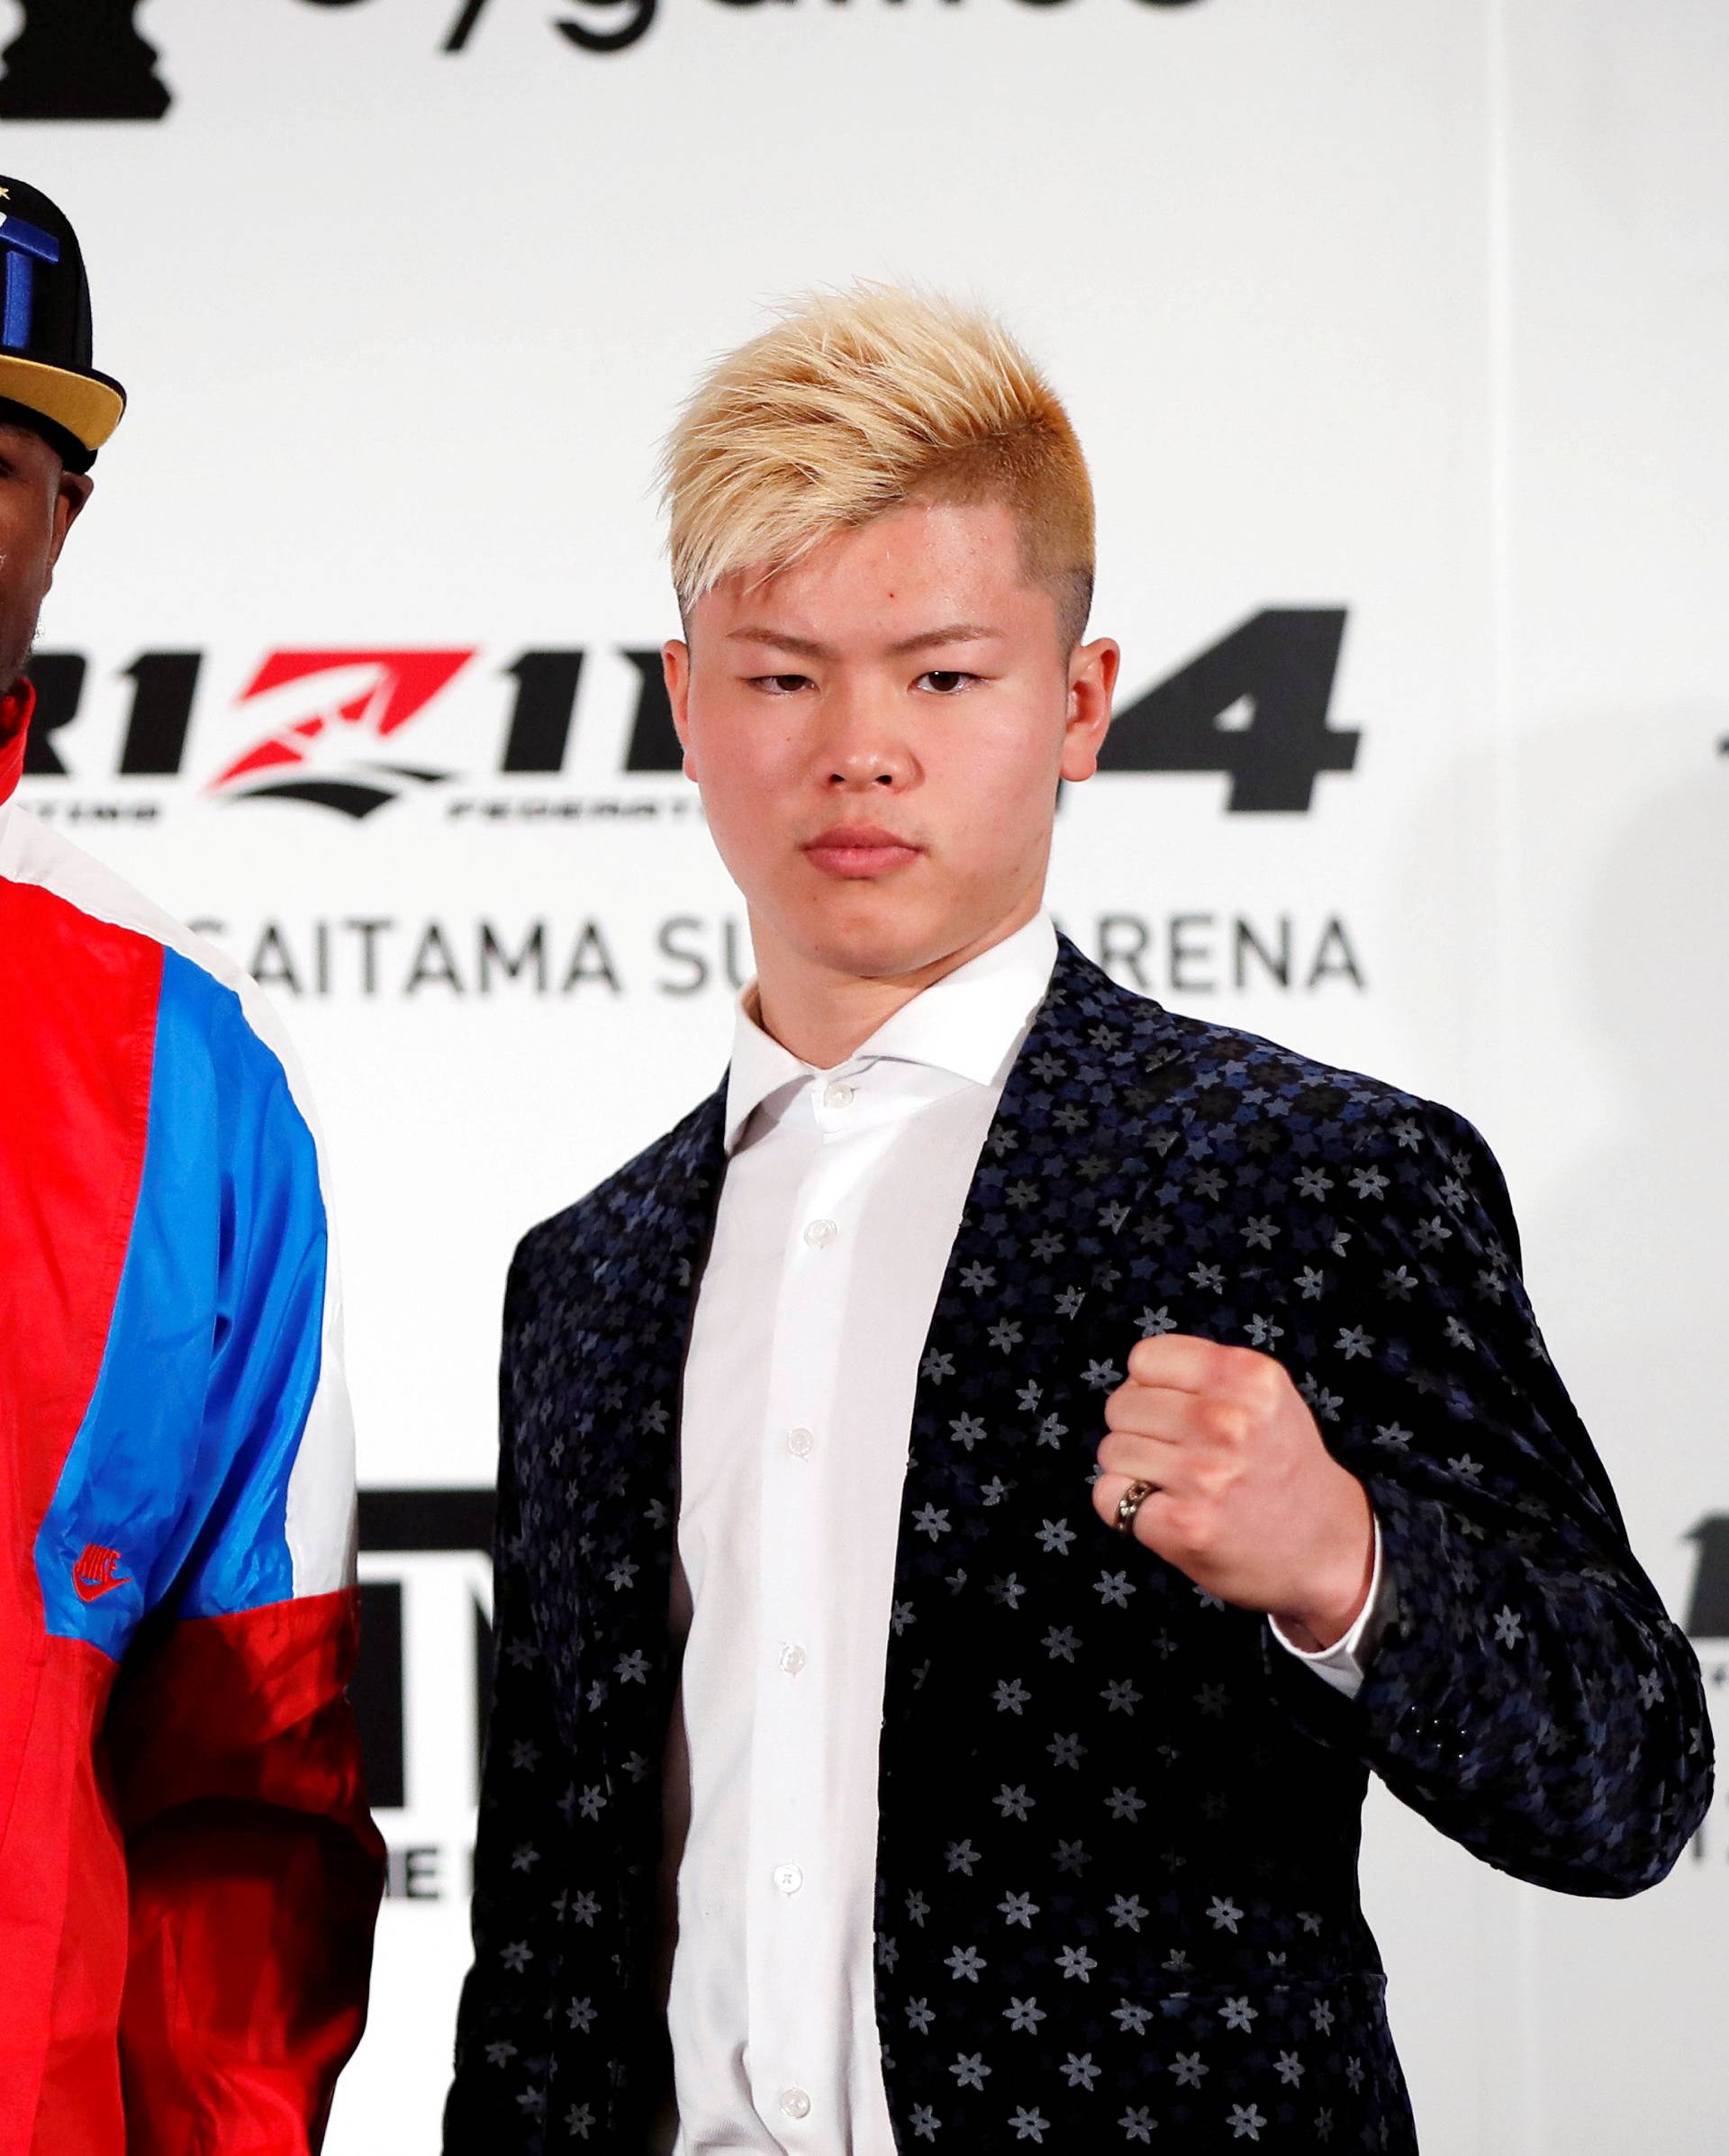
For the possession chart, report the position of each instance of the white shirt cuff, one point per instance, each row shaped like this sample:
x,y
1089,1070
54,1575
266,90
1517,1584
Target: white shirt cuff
x,y
1342,1665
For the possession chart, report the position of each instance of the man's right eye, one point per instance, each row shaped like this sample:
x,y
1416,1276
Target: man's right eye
x,y
780,684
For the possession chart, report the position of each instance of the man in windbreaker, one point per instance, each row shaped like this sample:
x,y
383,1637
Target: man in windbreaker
x,y
188,1874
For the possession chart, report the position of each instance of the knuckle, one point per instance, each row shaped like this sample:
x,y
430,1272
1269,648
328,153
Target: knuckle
x,y
1245,1370
1226,1424
1215,1482
1209,1359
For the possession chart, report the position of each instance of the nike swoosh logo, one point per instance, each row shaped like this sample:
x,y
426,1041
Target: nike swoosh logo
x,y
92,1590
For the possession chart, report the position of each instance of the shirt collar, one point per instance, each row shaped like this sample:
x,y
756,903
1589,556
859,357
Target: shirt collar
x,y
968,1022
15,708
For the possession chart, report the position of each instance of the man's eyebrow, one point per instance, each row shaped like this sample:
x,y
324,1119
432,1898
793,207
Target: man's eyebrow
x,y
955,632
782,640
952,632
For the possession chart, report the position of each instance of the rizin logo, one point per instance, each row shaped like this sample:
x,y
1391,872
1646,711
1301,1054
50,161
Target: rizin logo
x,y
96,1572
334,716
333,712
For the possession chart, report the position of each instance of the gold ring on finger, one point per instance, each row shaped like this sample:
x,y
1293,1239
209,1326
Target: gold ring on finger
x,y
1131,1503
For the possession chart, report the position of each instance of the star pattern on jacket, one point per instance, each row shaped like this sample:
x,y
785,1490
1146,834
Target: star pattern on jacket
x,y
1116,1898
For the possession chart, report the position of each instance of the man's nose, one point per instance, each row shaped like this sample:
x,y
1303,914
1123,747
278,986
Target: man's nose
x,y
865,745
858,773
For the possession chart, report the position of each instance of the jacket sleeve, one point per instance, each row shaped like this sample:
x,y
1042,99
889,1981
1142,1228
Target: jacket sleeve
x,y
498,2098
1530,1696
254,1871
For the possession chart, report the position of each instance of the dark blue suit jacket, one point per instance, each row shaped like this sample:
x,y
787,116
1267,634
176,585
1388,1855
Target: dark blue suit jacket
x,y
1116,1899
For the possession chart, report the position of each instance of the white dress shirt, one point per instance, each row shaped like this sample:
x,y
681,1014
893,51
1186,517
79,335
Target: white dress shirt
x,y
843,1194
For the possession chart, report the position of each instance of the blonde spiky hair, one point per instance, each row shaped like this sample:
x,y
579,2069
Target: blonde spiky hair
x,y
854,403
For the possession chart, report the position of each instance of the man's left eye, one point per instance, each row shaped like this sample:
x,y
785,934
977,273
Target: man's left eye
x,y
944,680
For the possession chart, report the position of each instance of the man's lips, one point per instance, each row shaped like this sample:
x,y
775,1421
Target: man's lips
x,y
860,849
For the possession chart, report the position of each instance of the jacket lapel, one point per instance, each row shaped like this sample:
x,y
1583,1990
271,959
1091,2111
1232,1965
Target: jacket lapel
x,y
623,1342
1021,1350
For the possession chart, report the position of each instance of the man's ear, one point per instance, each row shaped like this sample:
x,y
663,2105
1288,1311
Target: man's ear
x,y
676,666
1092,681
71,494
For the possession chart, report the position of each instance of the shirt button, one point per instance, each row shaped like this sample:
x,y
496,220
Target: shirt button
x,y
792,1659
788,1878
799,1443
838,1096
796,2103
820,1234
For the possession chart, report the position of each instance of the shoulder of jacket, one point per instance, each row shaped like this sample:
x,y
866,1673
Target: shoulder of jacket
x,y
650,1185
228,1001
1203,1072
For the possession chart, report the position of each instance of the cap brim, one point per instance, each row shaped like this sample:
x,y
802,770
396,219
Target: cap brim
x,y
88,406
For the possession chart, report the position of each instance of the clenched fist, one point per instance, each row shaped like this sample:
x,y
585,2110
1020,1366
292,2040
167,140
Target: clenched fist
x,y
1246,1499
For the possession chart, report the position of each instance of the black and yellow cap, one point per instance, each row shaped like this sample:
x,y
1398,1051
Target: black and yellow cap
x,y
45,343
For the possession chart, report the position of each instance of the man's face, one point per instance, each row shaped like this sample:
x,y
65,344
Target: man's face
x,y
878,732
38,499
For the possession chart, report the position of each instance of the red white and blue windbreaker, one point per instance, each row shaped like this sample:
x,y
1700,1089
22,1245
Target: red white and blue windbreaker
x,y
188,1874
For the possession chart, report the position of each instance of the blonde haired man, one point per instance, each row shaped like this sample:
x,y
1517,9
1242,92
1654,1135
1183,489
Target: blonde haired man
x,y
1034,1453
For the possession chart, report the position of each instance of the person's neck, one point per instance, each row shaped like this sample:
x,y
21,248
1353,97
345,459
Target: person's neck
x,y
15,702
821,1015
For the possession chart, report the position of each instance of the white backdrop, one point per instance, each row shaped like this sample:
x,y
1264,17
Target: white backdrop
x,y
1420,313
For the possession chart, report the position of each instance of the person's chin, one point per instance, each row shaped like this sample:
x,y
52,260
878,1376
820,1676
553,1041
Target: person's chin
x,y
870,929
